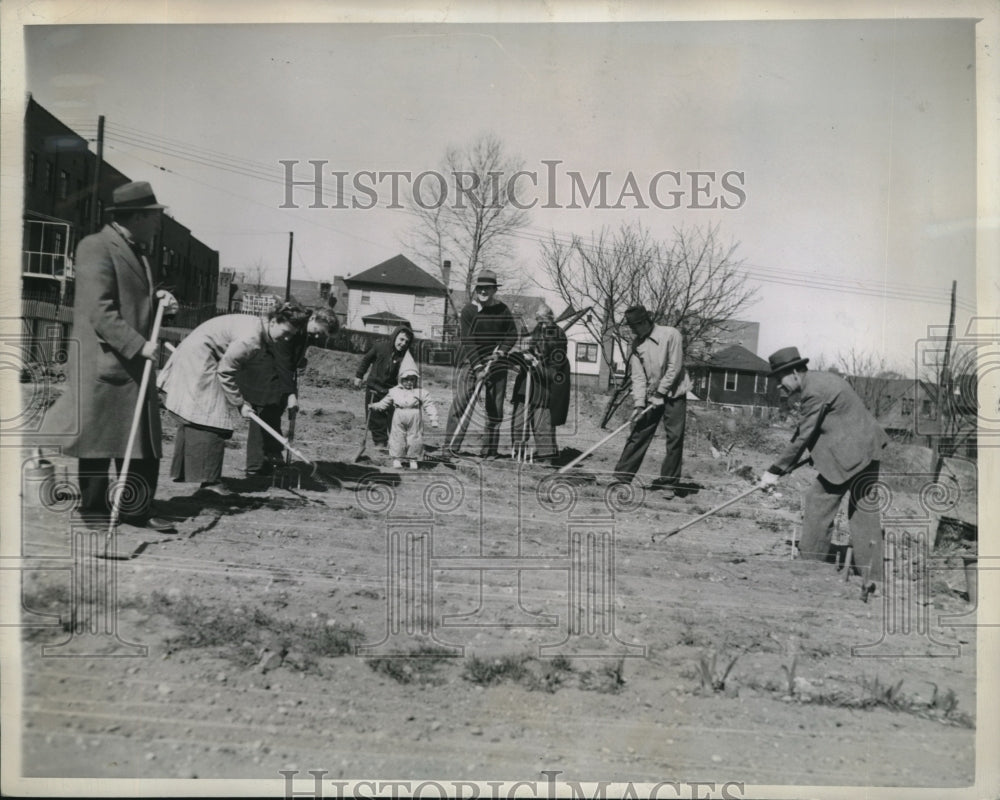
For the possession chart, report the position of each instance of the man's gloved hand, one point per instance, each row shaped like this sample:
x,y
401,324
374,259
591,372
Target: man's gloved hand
x,y
246,410
148,350
656,400
767,480
357,383
293,403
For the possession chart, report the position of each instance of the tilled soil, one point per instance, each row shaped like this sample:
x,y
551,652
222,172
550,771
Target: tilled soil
x,y
491,620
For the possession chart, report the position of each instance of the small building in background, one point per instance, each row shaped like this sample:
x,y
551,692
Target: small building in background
x,y
400,288
735,377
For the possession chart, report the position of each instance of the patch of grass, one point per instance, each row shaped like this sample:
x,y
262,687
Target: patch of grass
x,y
609,679
491,671
421,666
876,693
240,636
713,678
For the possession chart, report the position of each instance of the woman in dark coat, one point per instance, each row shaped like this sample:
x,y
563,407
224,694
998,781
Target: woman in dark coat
x,y
548,363
382,363
287,359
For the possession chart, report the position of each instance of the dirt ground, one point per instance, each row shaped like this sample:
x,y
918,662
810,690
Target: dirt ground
x,y
491,620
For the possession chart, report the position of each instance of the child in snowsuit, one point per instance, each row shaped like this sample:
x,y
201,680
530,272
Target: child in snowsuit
x,y
406,437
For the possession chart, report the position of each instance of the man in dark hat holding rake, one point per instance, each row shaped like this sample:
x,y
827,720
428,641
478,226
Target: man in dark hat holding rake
x,y
487,332
845,443
113,313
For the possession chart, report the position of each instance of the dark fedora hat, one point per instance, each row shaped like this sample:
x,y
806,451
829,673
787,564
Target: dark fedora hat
x,y
785,359
134,196
487,278
635,315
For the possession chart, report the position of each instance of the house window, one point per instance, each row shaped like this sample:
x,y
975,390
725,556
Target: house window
x,y
730,382
418,302
30,171
63,184
760,384
50,178
907,407
586,353
366,298
927,409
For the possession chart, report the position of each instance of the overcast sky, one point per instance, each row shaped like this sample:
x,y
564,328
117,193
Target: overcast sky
x,y
856,141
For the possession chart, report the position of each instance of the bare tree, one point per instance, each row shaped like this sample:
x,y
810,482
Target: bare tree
x,y
878,383
692,282
469,220
255,279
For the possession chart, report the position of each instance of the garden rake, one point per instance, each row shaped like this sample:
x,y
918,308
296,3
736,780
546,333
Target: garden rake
x,y
120,483
631,421
467,413
524,450
718,508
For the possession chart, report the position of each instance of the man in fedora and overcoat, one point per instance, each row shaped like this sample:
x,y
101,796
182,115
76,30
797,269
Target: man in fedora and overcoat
x,y
659,392
113,313
845,444
487,332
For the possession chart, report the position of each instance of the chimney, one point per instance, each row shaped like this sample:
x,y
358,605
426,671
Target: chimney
x,y
446,274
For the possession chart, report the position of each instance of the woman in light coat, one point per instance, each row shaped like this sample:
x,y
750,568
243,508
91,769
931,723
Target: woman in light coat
x,y
202,387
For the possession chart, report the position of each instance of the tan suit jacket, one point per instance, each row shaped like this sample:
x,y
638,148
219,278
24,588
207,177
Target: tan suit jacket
x,y
835,426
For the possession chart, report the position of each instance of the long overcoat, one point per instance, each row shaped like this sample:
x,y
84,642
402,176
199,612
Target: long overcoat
x,y
113,316
203,376
551,374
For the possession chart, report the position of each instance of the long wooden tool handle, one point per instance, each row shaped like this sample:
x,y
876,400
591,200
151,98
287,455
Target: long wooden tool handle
x,y
721,506
707,514
268,429
610,436
140,403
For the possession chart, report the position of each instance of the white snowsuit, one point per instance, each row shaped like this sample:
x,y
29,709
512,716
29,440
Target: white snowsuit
x,y
406,437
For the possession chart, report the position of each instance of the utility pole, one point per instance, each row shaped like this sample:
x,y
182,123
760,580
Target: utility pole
x,y
95,218
288,279
945,396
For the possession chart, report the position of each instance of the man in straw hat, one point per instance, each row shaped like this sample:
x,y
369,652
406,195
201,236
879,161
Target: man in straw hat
x,y
113,313
487,332
845,444
659,392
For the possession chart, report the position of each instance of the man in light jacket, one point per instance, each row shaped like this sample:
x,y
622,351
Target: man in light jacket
x,y
659,392
845,443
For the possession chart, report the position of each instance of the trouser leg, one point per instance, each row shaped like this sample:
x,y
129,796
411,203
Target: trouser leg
x,y
92,478
261,446
95,486
638,442
397,437
545,434
866,524
495,389
465,384
379,422
674,421
819,507
141,483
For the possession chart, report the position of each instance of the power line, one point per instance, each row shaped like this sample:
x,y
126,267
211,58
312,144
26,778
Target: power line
x,y
258,171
